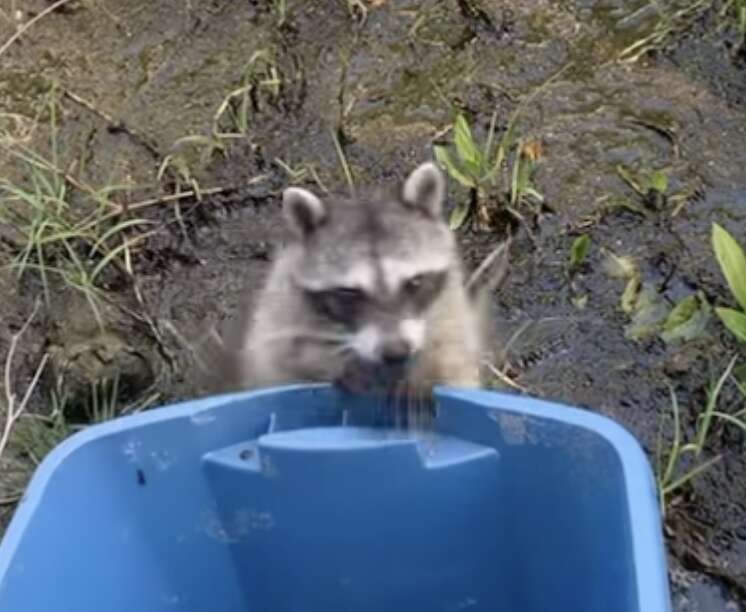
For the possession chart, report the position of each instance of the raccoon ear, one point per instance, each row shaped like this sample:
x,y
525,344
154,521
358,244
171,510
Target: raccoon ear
x,y
303,210
425,189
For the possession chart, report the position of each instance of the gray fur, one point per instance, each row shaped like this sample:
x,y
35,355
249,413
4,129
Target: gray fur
x,y
348,244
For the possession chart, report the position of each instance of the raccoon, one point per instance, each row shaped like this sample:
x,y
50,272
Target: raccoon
x,y
369,294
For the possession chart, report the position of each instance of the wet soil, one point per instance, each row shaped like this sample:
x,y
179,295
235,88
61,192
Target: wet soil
x,y
387,84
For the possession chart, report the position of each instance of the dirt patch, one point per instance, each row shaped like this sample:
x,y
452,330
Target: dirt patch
x,y
138,77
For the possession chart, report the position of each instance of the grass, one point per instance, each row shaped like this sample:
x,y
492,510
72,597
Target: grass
x,y
672,22
231,121
261,73
343,163
13,407
62,226
300,173
187,154
482,169
682,461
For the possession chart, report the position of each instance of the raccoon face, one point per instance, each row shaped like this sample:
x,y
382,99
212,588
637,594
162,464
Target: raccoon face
x,y
372,269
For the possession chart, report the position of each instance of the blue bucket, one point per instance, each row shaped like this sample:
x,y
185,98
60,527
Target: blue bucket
x,y
292,500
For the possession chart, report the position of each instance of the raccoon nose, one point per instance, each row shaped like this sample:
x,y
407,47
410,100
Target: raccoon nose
x,y
396,352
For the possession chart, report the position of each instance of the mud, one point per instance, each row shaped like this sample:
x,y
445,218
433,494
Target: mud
x,y
387,86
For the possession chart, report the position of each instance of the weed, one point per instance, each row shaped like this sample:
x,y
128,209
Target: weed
x,y
688,319
650,312
63,224
732,262
675,465
478,169
579,251
14,408
297,175
671,23
343,162
650,185
189,153
260,72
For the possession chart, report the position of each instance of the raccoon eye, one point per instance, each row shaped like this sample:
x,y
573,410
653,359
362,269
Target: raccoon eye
x,y
339,304
423,288
415,283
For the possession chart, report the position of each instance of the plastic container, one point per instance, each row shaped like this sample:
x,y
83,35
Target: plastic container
x,y
291,500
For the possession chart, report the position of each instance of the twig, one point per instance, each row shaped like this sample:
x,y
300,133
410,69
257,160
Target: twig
x,y
31,22
504,377
184,195
487,262
13,412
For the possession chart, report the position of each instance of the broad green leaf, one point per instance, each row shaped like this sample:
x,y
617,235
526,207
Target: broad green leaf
x,y
735,321
682,312
579,250
474,168
688,320
458,215
732,262
444,159
658,181
465,145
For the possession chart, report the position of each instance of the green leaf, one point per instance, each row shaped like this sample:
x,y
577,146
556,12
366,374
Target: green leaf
x,y
658,181
465,145
458,215
629,297
735,321
688,320
444,159
579,250
682,312
651,313
732,262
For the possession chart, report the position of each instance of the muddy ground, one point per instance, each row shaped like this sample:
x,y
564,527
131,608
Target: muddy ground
x,y
385,78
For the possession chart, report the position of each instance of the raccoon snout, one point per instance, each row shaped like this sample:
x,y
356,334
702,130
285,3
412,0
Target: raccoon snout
x,y
392,346
396,352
